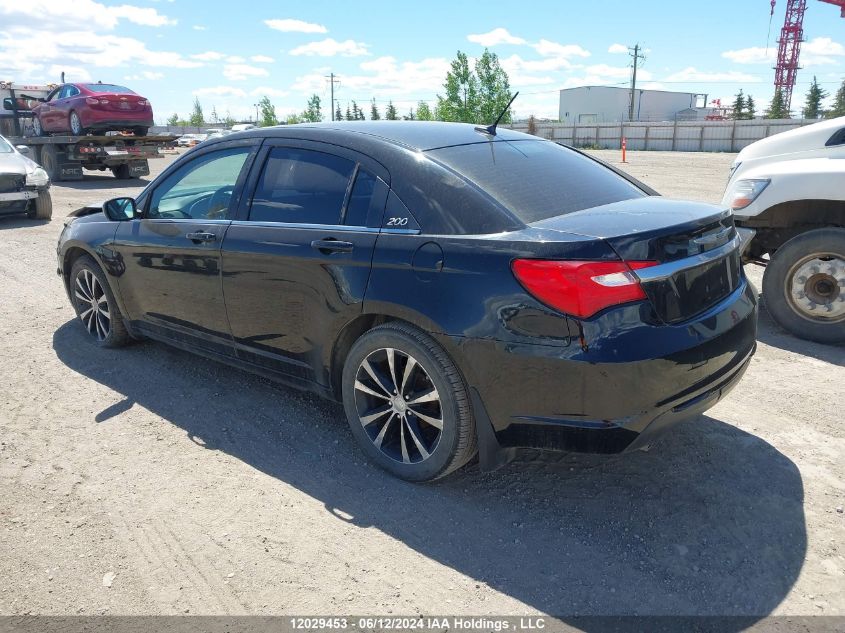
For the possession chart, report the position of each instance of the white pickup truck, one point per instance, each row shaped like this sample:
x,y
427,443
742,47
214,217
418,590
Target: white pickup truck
x,y
790,188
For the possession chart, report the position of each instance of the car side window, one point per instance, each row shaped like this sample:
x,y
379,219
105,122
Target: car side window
x,y
72,91
201,189
359,200
301,186
55,94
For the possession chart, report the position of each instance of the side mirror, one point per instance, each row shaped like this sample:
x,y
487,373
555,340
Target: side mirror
x,y
120,209
24,151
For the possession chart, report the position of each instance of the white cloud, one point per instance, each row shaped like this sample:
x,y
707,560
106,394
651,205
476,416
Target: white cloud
x,y
240,72
262,59
295,26
72,73
752,55
617,48
330,47
553,49
147,74
198,27
690,74
79,14
494,37
220,91
208,56
235,59
262,91
515,63
817,52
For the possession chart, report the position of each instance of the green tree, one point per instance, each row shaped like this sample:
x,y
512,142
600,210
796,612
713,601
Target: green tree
x,y
410,116
266,112
494,89
313,113
739,106
173,119
349,116
813,107
229,120
338,115
424,112
777,109
374,113
293,119
390,113
750,108
197,118
461,87
838,108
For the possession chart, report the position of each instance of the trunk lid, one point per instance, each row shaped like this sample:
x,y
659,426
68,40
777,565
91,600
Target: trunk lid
x,y
695,245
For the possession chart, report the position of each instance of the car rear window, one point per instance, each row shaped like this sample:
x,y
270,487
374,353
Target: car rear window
x,y
536,180
108,88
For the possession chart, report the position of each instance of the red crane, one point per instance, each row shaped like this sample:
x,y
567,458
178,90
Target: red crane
x,y
789,45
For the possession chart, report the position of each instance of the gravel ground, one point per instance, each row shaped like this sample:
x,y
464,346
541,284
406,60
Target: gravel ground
x,y
150,481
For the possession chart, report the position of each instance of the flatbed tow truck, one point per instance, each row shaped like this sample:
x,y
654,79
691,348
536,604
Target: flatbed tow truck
x,y
66,157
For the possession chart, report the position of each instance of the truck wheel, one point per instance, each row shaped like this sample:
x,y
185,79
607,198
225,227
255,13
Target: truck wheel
x,y
42,207
50,162
121,172
804,286
76,124
141,131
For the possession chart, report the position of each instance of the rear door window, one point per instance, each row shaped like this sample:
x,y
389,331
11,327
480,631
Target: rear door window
x,y
301,186
536,180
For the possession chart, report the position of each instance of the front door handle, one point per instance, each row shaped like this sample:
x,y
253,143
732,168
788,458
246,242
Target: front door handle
x,y
329,246
201,236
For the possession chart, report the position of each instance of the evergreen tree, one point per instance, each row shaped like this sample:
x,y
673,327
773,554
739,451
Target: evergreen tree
x,y
338,115
813,107
750,108
424,112
266,113
494,89
197,118
390,113
838,108
173,119
777,109
349,116
461,87
374,113
739,106
313,113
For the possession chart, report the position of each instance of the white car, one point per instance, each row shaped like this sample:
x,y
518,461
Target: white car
x,y
24,185
189,140
790,188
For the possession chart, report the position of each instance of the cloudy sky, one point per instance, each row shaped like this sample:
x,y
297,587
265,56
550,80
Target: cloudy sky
x,y
229,55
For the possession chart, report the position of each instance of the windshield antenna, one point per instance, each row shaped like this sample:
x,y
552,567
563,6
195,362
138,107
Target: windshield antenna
x,y
491,129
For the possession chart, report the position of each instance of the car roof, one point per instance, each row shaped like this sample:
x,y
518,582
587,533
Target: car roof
x,y
415,135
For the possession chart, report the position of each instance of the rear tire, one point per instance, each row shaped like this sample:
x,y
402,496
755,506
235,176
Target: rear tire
x,y
75,124
122,172
95,305
415,421
804,286
42,207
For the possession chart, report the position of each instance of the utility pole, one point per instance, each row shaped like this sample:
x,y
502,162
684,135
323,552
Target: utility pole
x,y
333,81
635,53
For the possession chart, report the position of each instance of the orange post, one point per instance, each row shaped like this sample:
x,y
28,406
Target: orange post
x,y
624,145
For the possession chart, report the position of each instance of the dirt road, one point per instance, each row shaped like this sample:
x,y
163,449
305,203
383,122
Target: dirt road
x,y
147,480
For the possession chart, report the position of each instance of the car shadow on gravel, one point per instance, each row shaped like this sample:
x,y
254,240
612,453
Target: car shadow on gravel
x,y
97,182
771,333
710,521
19,222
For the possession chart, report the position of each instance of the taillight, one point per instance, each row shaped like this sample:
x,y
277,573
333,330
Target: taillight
x,y
143,102
580,288
91,101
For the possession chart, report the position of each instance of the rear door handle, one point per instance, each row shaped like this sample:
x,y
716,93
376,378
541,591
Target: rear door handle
x,y
201,236
327,247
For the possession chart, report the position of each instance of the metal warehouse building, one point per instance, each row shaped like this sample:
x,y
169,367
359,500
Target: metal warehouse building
x,y
588,105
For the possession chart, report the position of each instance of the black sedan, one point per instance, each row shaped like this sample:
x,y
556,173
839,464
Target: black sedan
x,y
460,292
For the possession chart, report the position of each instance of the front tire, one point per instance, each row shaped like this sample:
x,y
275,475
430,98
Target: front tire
x,y
37,128
42,207
75,123
407,404
95,305
804,286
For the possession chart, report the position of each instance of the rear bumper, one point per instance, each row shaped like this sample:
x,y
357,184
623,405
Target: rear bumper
x,y
96,123
620,388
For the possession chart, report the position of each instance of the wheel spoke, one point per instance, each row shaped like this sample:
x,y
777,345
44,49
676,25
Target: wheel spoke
x,y
372,372
380,437
391,363
428,396
102,329
405,458
409,368
375,414
435,422
84,315
414,431
362,387
81,290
